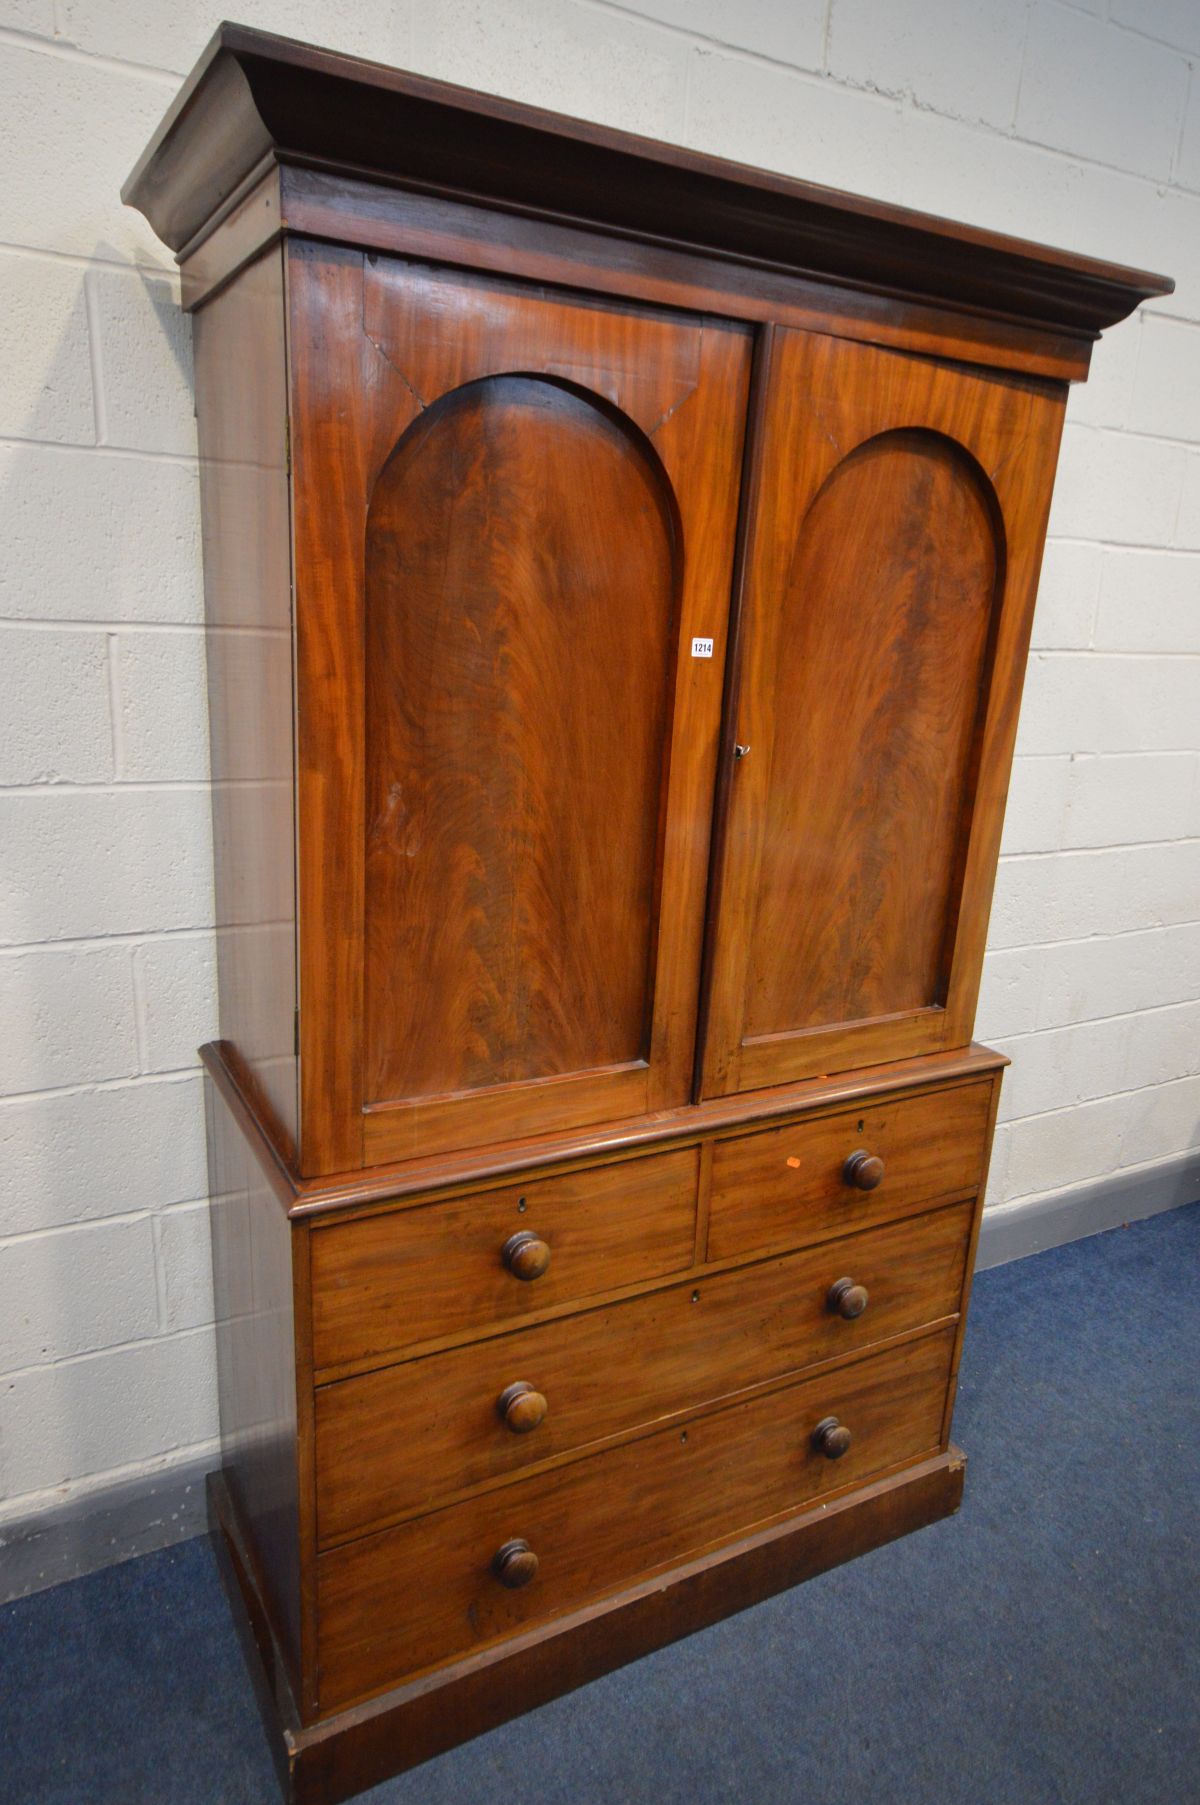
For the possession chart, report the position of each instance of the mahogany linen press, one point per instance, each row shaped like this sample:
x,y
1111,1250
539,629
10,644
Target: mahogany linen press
x,y
619,567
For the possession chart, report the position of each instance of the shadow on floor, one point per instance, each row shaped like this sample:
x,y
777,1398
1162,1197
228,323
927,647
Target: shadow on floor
x,y
1041,1648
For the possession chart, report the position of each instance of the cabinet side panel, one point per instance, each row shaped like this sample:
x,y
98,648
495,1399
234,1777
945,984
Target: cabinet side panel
x,y
256,1366
241,411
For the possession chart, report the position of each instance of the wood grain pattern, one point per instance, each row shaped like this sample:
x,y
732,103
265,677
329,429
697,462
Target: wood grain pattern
x,y
256,1370
242,234
419,1595
372,349
784,1185
327,1761
521,601
884,626
893,500
396,1279
345,1197
338,442
398,1441
241,421
956,1357
321,204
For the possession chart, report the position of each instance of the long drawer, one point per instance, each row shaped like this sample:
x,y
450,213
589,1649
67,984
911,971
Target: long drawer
x,y
404,1276
412,1597
780,1187
394,1442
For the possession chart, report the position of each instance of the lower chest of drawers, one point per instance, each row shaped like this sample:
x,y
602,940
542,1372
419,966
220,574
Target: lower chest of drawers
x,y
444,1584
700,1341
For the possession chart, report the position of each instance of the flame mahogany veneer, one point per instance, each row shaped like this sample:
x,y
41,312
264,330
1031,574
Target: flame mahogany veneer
x,y
619,569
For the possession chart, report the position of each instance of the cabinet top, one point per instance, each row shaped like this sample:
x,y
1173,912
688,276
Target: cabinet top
x,y
254,98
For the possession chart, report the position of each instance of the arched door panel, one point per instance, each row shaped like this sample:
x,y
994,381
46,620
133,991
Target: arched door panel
x,y
522,577
895,533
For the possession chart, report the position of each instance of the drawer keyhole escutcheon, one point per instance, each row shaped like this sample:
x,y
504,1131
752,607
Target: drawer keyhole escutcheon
x,y
831,1438
846,1299
521,1407
863,1170
515,1564
526,1255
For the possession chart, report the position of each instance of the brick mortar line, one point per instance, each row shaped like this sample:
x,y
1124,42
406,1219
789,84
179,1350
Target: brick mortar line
x,y
901,103
101,1086
1122,1015
1109,546
14,38
130,787
190,459
122,1219
1098,852
87,260
1029,758
45,1092
202,1331
86,943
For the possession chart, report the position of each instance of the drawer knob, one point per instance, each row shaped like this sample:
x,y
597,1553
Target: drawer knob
x,y
847,1299
831,1438
521,1407
526,1255
515,1564
863,1170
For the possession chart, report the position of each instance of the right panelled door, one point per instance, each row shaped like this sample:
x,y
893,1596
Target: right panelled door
x,y
895,517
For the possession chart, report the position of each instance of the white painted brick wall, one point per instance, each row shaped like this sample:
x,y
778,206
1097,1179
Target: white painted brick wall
x,y
1078,124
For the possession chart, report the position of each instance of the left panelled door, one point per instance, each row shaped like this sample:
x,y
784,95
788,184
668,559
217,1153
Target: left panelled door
x,y
514,514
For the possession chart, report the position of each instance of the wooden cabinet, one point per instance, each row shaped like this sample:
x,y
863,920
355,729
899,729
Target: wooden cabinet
x,y
619,570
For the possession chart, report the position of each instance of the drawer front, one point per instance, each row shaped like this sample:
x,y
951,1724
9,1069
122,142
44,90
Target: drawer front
x,y
393,1604
396,1279
396,1441
786,1185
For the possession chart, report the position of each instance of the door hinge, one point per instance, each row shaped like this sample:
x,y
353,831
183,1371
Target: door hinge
x,y
287,444
296,1034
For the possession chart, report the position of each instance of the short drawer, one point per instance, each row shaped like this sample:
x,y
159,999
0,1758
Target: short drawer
x,y
781,1186
394,1279
393,1604
397,1441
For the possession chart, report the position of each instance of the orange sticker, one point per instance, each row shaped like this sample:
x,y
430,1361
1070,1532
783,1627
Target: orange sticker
x,y
794,1164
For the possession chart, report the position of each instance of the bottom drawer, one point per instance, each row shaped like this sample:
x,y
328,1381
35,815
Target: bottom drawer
x,y
412,1597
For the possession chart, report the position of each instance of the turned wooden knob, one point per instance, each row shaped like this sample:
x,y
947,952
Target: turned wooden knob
x,y
847,1299
863,1170
526,1255
522,1408
831,1438
515,1564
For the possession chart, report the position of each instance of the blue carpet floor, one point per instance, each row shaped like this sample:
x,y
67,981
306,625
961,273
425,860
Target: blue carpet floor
x,y
1041,1648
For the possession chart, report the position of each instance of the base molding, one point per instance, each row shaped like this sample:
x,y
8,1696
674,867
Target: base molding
x,y
102,1527
325,1762
1013,1231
